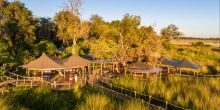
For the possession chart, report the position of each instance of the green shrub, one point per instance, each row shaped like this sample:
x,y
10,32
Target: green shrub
x,y
95,102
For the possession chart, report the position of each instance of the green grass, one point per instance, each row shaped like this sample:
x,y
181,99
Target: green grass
x,y
185,92
86,98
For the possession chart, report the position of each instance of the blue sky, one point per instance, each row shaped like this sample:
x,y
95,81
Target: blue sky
x,y
195,18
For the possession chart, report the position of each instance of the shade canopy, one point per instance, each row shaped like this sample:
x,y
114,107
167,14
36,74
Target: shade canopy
x,y
43,62
169,62
138,65
180,64
73,61
187,64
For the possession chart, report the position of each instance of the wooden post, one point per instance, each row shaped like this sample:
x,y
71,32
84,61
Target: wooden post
x,y
149,99
64,73
28,72
93,66
180,71
31,83
116,67
113,67
135,94
101,68
103,65
83,69
166,105
42,76
89,70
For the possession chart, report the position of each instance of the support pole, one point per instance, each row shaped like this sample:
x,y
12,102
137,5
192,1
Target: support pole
x,y
168,69
93,66
64,73
113,67
42,76
89,70
101,68
28,72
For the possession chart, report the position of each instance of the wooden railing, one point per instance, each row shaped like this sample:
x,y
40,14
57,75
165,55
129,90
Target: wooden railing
x,y
134,94
122,96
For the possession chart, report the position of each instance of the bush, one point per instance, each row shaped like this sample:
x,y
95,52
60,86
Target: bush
x,y
95,102
212,69
46,47
197,44
216,49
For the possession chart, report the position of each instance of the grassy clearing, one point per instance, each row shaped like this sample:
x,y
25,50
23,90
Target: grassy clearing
x,y
185,92
86,98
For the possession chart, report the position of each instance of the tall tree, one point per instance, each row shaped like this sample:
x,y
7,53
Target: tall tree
x,y
18,28
19,25
128,38
97,26
69,24
172,31
150,45
45,29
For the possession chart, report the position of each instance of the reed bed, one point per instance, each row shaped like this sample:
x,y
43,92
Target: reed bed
x,y
185,92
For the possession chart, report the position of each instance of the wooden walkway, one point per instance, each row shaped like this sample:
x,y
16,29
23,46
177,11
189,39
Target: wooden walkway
x,y
22,81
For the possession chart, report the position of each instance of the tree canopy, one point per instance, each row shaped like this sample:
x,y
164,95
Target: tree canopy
x,y
172,31
24,36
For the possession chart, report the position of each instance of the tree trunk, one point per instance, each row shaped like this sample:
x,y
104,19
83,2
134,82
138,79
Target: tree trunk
x,y
74,47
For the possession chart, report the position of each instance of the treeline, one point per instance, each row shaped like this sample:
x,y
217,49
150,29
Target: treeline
x,y
24,37
194,38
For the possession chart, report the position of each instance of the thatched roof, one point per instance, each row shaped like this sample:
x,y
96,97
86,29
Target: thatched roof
x,y
73,61
43,62
104,60
187,64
